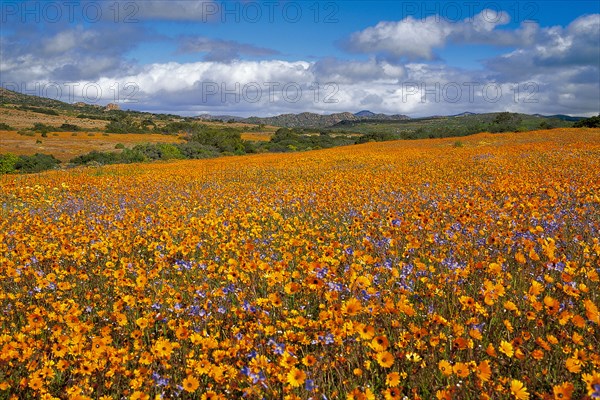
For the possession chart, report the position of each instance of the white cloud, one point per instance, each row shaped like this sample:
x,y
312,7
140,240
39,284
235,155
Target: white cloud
x,y
271,87
546,70
419,38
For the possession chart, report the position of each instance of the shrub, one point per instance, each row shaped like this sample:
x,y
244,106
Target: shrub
x,y
7,163
36,163
98,157
592,122
70,127
42,128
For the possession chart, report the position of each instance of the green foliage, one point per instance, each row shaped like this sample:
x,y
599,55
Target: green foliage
x,y
42,128
94,117
125,124
592,122
102,158
70,128
506,122
5,127
36,163
119,146
377,137
225,139
195,150
173,128
39,110
297,139
8,163
148,152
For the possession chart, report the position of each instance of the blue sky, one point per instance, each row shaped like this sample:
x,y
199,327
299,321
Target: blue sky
x,y
269,57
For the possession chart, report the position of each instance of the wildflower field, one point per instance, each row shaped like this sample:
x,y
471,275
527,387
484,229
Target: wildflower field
x,y
419,269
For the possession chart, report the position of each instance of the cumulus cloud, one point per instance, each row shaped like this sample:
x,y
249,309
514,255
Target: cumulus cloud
x,y
71,54
417,39
331,69
544,70
271,87
221,50
555,48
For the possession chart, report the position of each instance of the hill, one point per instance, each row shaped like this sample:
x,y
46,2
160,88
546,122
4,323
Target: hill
x,y
313,120
446,126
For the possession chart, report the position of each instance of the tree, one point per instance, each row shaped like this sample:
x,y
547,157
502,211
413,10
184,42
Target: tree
x,y
592,122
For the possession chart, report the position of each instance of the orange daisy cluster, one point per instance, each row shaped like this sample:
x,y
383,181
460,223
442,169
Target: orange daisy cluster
x,y
414,269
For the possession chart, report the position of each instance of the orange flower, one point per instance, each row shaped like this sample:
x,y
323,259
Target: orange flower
x,y
564,391
461,369
351,307
506,348
392,379
296,377
573,365
385,359
190,384
552,305
392,394
445,367
380,343
163,348
518,390
484,372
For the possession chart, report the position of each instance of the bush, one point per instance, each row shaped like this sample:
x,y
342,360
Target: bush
x,y
42,128
7,163
226,140
506,122
195,150
36,163
98,157
119,146
169,152
69,128
39,110
592,122
125,125
5,127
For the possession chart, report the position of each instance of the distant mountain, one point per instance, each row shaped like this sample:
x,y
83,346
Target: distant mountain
x,y
210,117
313,120
464,114
562,117
364,113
